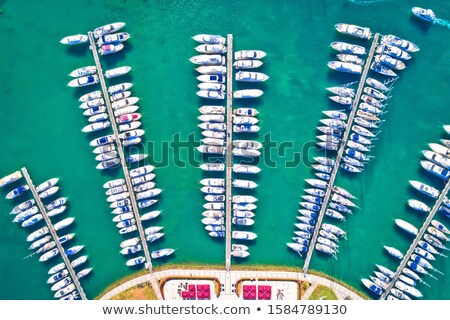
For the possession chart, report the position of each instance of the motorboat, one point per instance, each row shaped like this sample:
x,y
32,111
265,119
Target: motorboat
x,y
127,118
371,101
244,168
244,199
10,178
123,217
298,247
74,39
399,42
136,157
315,192
130,126
322,168
211,149
390,62
342,200
211,205
141,171
213,190
342,91
244,184
360,138
440,160
435,169
362,131
408,227
94,111
73,250
394,252
333,229
47,184
146,203
37,234
209,39
212,69
249,54
345,67
152,230
418,205
58,276
329,131
84,273
351,58
61,284
328,243
49,192
399,294
440,149
214,182
135,261
123,209
148,194
96,126
325,249
208,59
91,96
325,161
130,242
357,146
118,197
116,72
124,103
247,76
212,78
40,242
130,134
334,214
119,96
393,51
438,234
217,234
64,291
348,48
212,110
247,144
107,29
243,214
113,38
244,206
125,110
78,261
213,141
211,86
424,14
338,115
104,149
83,71
446,142
84,81
98,117
243,235
387,272
153,237
211,94
119,87
381,69
247,64
247,93
374,93
212,167
32,221
211,118
56,211
342,100
216,214
439,226
356,154
354,30
408,289
368,124
126,223
161,253
144,186
376,84
213,134
251,153
26,214
114,183
239,247
108,164
424,253
242,221
48,255
245,127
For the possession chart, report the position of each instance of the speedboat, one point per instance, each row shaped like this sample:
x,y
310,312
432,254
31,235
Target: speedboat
x,y
114,183
212,166
244,120
424,188
107,29
247,144
94,111
325,161
437,158
212,69
47,184
91,96
212,78
146,203
440,149
244,206
75,39
213,134
247,64
408,289
435,169
342,91
245,128
212,110
84,81
124,103
354,30
399,42
113,38
56,211
130,126
83,71
136,157
10,178
249,54
84,273
98,117
424,14
376,84
92,103
96,126
211,86
154,236
144,186
161,253
152,230
107,164
131,117
215,182
209,39
119,95
208,59
148,194
348,48
374,93
211,48
58,276
408,227
211,94
245,184
118,197
17,191
244,199
239,152
394,252
399,294
328,243
247,93
123,217
213,141
141,171
390,62
62,292
345,67
110,48
120,87
112,73
351,58
377,67
393,51
243,235
213,214
135,261
242,221
32,221
247,76
439,226
131,134
22,207
357,146
418,205
213,190
211,149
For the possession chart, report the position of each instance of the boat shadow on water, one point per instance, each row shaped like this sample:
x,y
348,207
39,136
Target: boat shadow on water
x,y
79,51
423,26
114,60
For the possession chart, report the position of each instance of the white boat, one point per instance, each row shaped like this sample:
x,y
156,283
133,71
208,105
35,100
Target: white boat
x,y
375,93
351,58
111,73
127,118
131,249
439,149
248,76
213,134
60,293
98,117
211,118
212,110
84,273
245,184
317,183
212,78
211,48
418,205
439,226
118,197
123,217
244,120
120,87
49,192
345,67
376,84
141,171
47,184
243,214
247,93
90,96
338,115
107,164
239,253
333,229
247,64
378,67
342,91
390,62
216,214
244,199
424,14
75,39
372,286
114,183
213,141
119,96
83,71
251,153
408,289
245,168
161,253
214,205
249,54
211,149
212,70
32,221
130,134
249,112
243,235
216,182
398,42
61,284
143,179
95,110
393,51
212,166
113,38
56,211
211,86
245,128
96,126
135,261
435,169
136,157
92,103
348,48
209,39
394,252
211,94
108,28
342,100
406,226
84,81
438,234
10,178
130,242
213,190
124,103
208,59
130,126
154,236
354,30
148,194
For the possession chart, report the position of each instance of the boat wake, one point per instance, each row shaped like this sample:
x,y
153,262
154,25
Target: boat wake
x,y
369,2
442,22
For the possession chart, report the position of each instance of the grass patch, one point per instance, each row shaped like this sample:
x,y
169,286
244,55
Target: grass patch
x,y
323,292
143,292
354,290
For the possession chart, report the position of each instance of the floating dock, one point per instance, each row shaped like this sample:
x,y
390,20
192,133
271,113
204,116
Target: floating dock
x,y
340,153
419,236
61,250
229,153
148,261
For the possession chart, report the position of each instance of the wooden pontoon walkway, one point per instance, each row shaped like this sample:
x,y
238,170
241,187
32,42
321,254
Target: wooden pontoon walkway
x,y
340,154
52,230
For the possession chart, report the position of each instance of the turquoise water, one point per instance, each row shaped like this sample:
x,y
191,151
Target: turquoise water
x,y
42,126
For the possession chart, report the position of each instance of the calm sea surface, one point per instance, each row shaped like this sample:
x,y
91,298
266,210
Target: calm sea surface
x,y
42,122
